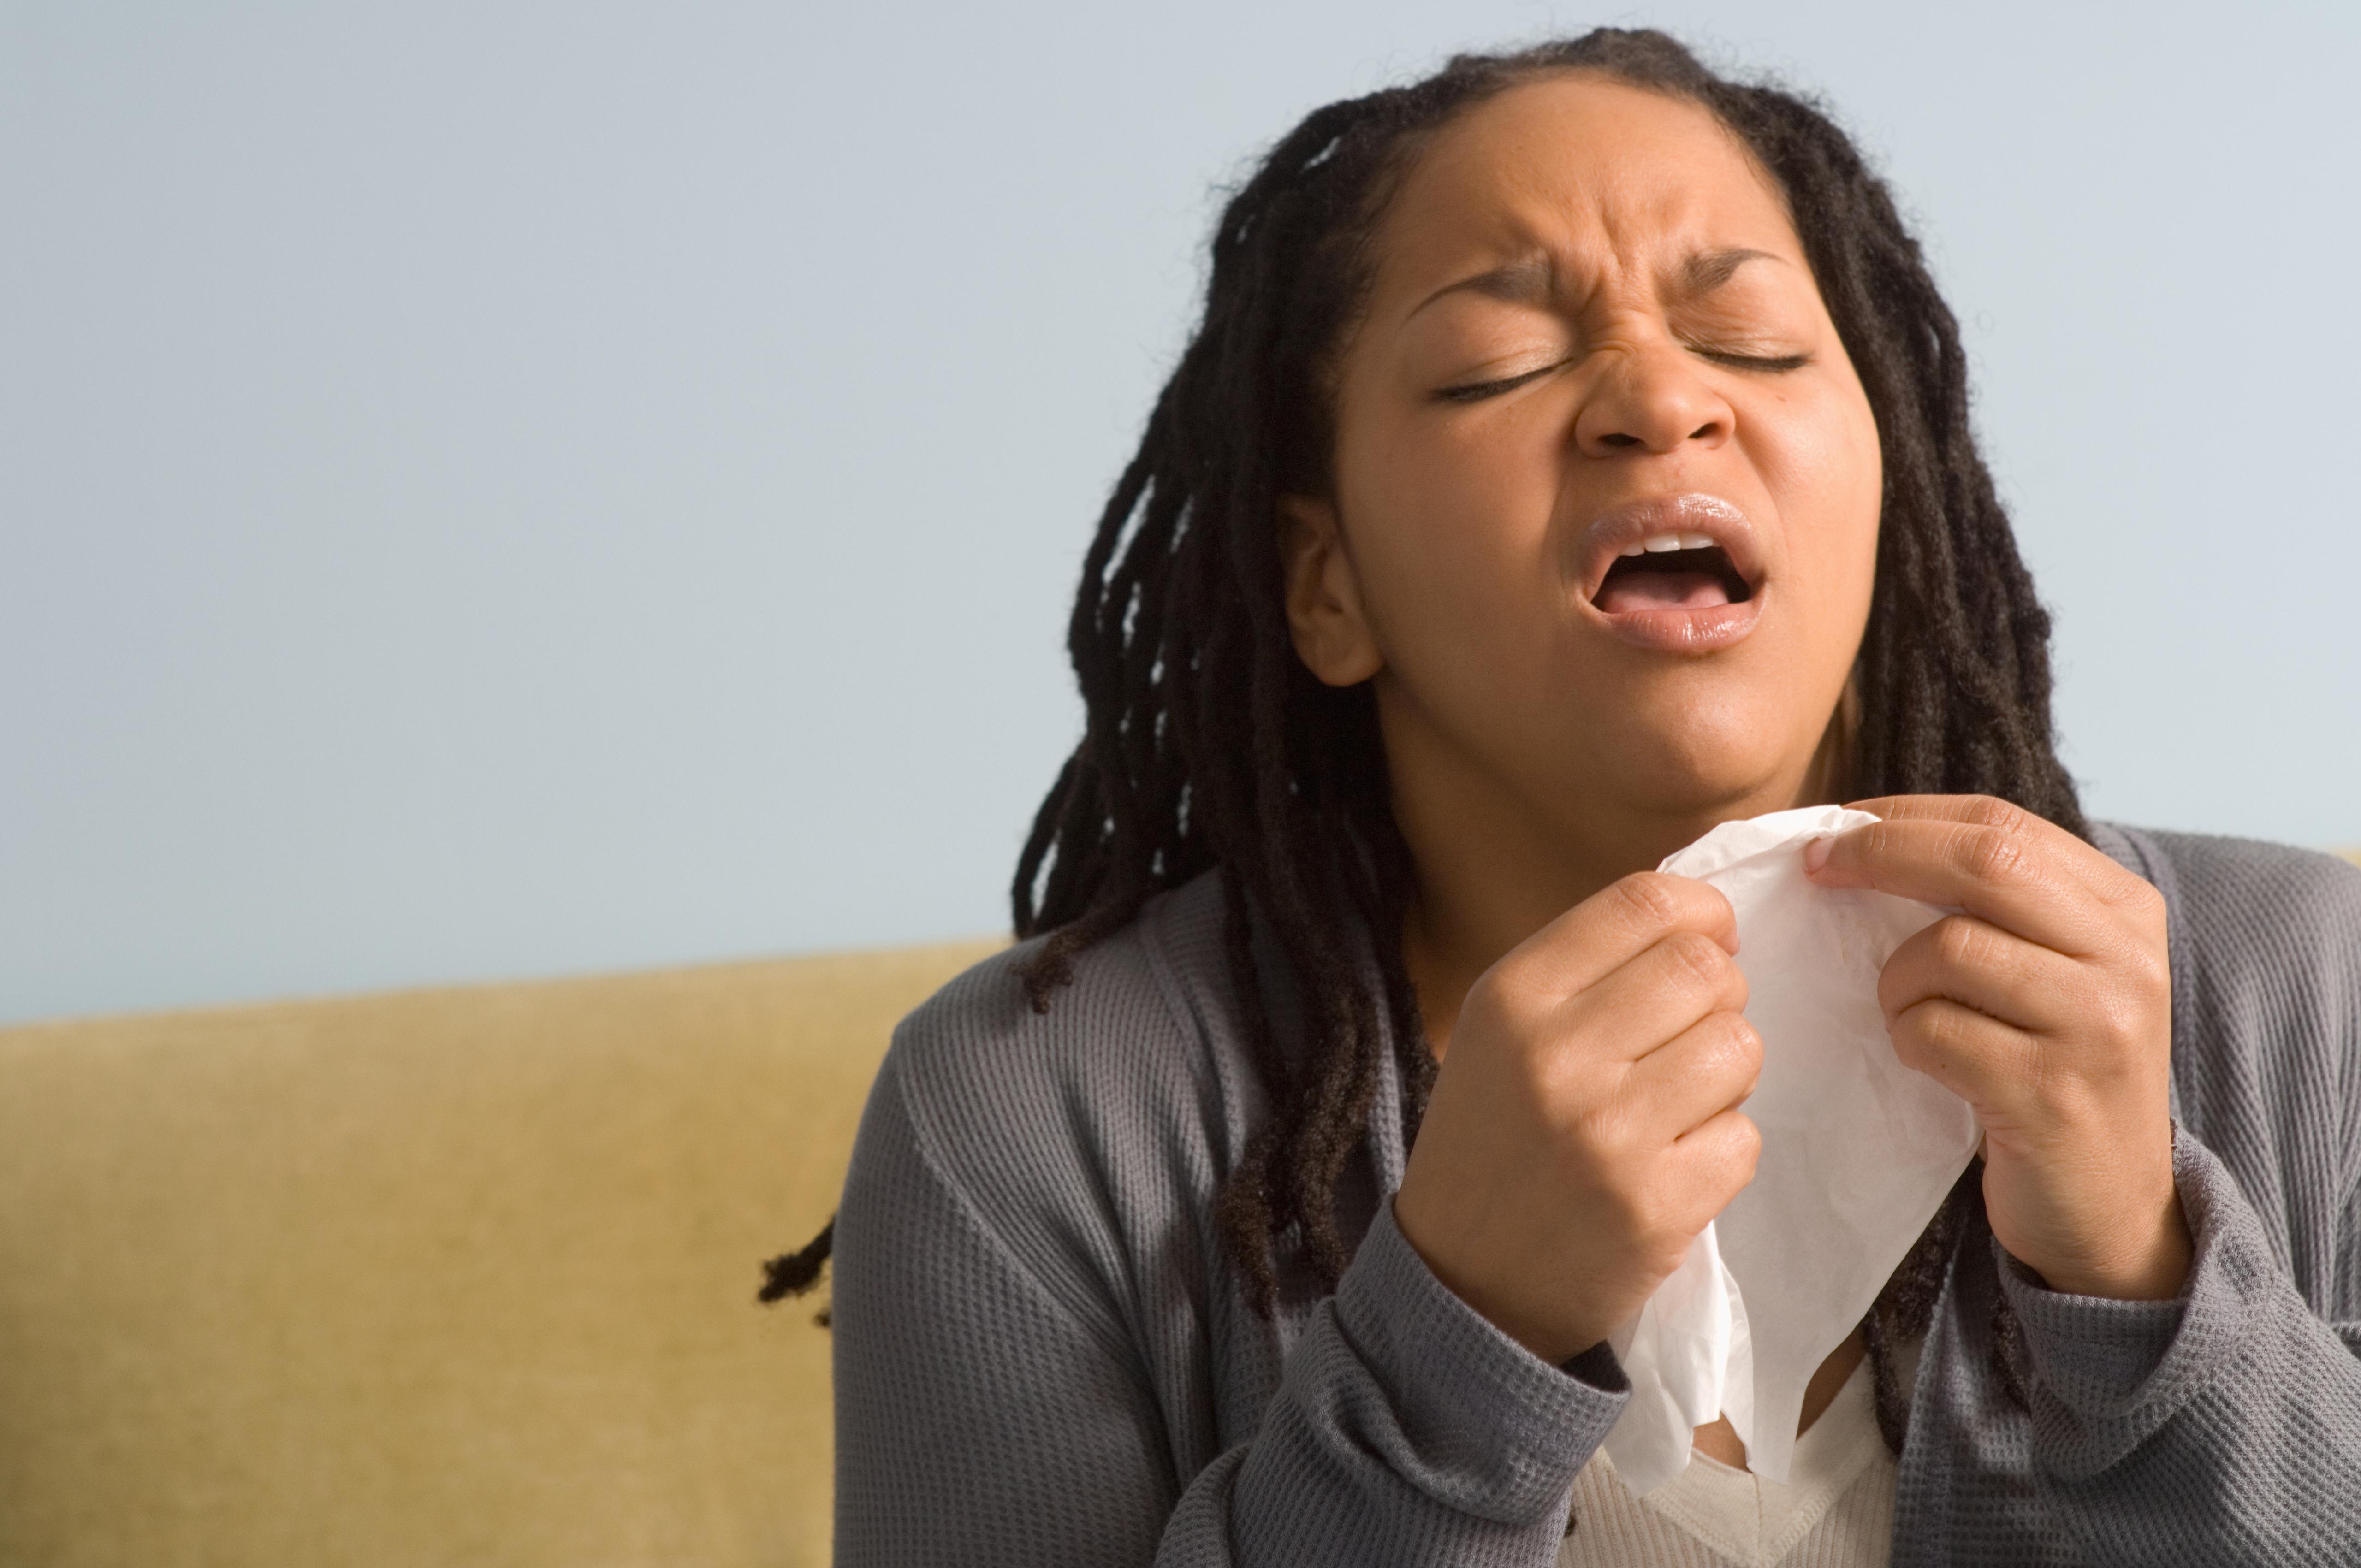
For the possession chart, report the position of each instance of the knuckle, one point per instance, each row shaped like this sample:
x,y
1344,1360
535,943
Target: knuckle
x,y
1524,984
2130,1020
1737,1150
1488,1006
2149,969
1959,942
1924,1037
1728,1048
1748,1138
1990,811
1603,1129
1649,895
2111,1054
1743,1040
1697,956
1528,1073
1746,1047
1942,1029
2045,1077
1991,855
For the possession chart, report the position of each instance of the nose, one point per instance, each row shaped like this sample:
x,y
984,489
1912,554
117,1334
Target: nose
x,y
1650,399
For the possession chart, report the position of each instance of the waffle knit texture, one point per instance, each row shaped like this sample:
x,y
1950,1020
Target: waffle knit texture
x,y
1043,1357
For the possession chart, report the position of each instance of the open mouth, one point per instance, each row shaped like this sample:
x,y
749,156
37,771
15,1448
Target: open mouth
x,y
1671,571
1680,574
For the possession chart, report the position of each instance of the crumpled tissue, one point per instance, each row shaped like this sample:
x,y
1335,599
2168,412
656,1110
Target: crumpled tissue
x,y
1858,1152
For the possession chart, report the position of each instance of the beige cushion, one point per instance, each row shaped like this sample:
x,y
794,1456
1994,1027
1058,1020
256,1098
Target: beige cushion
x,y
452,1277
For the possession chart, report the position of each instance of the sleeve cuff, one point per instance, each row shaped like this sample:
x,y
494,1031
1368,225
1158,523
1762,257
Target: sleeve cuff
x,y
1472,1404
2104,1360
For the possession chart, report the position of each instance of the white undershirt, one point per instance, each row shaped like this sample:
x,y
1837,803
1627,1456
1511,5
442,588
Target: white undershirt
x,y
1835,1511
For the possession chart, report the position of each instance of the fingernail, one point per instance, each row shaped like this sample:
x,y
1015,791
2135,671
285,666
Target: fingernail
x,y
1816,853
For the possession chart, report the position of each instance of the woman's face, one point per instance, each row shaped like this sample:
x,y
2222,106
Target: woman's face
x,y
1606,485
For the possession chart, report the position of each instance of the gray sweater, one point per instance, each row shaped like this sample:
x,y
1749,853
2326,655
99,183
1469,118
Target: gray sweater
x,y
1043,1357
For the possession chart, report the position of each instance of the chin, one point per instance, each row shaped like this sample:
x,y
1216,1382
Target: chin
x,y
1704,769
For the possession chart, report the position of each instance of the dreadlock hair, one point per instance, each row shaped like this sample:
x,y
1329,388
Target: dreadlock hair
x,y
1208,744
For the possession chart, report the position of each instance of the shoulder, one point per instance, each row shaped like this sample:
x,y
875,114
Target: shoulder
x,y
2265,945
1079,1134
2249,913
1145,1014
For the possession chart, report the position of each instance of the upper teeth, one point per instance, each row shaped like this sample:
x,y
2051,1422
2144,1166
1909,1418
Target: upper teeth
x,y
1659,543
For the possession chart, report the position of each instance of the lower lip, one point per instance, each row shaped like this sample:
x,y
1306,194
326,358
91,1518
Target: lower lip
x,y
1704,630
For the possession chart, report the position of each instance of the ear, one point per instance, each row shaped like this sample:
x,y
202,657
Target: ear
x,y
1323,595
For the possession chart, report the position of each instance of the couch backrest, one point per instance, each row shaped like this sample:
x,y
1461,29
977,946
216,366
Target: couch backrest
x,y
453,1277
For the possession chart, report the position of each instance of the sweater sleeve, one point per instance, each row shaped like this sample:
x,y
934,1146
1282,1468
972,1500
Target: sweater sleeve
x,y
990,1412
2223,1426
1408,1429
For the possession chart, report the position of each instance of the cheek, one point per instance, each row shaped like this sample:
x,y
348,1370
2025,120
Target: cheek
x,y
1825,476
1451,524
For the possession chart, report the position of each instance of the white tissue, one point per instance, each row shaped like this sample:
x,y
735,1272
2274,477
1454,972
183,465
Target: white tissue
x,y
1858,1153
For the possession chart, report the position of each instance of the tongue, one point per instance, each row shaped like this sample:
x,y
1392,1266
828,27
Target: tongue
x,y
1661,590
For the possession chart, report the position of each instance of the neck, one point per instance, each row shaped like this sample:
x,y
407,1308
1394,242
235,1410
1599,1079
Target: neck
x,y
1493,867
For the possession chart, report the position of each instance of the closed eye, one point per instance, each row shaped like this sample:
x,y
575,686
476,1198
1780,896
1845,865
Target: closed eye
x,y
1477,392
1755,361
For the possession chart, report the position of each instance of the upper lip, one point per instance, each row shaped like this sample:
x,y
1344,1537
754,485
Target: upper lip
x,y
1618,528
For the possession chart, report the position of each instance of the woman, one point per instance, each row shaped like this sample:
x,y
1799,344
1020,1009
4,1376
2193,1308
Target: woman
x,y
1575,455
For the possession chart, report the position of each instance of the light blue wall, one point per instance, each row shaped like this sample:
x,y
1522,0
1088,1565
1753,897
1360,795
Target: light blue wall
x,y
521,489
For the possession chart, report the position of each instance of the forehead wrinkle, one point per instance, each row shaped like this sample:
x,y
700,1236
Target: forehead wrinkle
x,y
1549,241
1626,231
1519,267
1529,280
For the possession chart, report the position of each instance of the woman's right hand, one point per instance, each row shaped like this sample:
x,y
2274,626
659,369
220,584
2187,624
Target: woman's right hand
x,y
1583,1126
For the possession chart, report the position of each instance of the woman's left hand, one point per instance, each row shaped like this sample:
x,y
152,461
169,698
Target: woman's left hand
x,y
2047,1006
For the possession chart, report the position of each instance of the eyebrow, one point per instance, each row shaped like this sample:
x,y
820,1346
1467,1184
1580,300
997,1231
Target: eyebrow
x,y
1533,280
1710,269
1524,282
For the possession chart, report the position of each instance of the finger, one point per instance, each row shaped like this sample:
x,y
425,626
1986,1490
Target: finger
x,y
1979,965
1717,1157
1706,1069
1995,873
1609,929
2087,862
1992,1065
1653,996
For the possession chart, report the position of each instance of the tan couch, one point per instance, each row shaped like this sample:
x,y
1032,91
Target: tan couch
x,y
452,1277
445,1278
